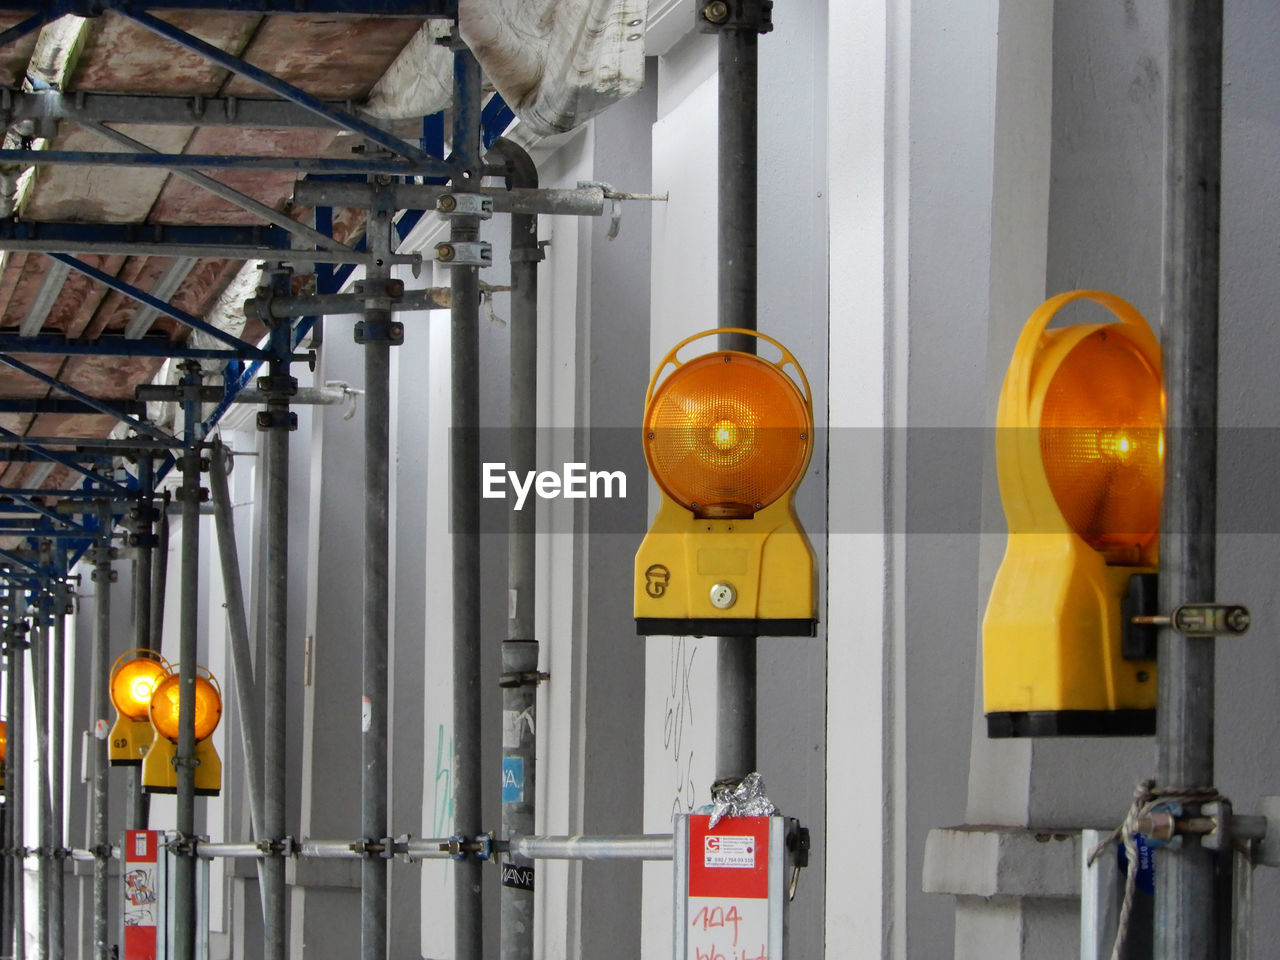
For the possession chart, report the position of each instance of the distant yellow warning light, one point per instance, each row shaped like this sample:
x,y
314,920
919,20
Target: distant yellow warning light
x,y
134,677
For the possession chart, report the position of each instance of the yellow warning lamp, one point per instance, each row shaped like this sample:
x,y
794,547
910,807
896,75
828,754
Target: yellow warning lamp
x,y
1080,457
134,677
727,436
159,772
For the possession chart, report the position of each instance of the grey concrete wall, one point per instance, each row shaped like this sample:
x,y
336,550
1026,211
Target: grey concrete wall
x,y
952,107
614,322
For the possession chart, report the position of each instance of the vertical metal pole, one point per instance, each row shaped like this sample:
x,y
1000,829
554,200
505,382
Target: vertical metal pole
x,y
136,806
520,651
376,334
100,664
159,575
10,770
276,421
58,750
241,656
40,686
1185,892
17,746
464,518
189,580
739,89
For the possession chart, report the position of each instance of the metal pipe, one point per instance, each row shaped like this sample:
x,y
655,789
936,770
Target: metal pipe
x,y
738,86
40,687
16,742
377,335
1186,899
582,202
276,422
100,664
329,849
231,195
645,847
10,778
58,749
159,580
520,650
136,801
464,487
241,652
280,308
328,395
189,581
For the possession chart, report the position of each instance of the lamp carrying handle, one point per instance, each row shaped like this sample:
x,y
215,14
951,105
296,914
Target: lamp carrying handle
x,y
788,360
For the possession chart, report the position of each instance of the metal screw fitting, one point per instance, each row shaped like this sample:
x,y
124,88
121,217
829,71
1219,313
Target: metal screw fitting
x,y
723,596
447,203
445,252
717,11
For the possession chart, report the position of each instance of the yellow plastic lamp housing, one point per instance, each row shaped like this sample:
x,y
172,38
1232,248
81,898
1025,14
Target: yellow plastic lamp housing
x,y
134,678
159,772
1080,457
727,436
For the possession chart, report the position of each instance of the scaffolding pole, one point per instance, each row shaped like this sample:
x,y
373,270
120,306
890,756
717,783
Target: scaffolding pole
x,y
376,333
1186,901
188,631
737,153
58,749
241,656
520,650
276,422
100,665
14,910
464,490
40,687
136,801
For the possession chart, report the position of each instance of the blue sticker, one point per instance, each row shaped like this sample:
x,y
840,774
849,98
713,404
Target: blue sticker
x,y
1146,879
513,779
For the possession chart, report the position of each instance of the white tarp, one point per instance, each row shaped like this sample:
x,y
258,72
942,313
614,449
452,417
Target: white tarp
x,y
557,63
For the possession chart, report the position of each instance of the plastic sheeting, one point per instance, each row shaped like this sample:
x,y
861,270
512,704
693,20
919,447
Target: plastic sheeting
x,y
557,63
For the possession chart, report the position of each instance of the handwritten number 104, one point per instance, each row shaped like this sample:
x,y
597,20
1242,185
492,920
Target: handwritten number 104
x,y
716,917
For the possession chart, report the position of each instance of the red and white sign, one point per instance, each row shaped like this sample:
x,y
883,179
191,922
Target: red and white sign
x,y
141,891
728,912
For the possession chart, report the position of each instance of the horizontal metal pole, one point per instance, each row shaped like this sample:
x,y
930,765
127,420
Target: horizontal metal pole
x,y
120,347
206,161
416,9
327,395
211,851
68,493
580,202
645,847
281,308
626,847
84,107
103,444
125,248
232,241
328,850
61,405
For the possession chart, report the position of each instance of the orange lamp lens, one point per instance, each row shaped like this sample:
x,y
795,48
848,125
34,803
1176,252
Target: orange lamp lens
x,y
1102,441
726,434
4,740
132,685
164,707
